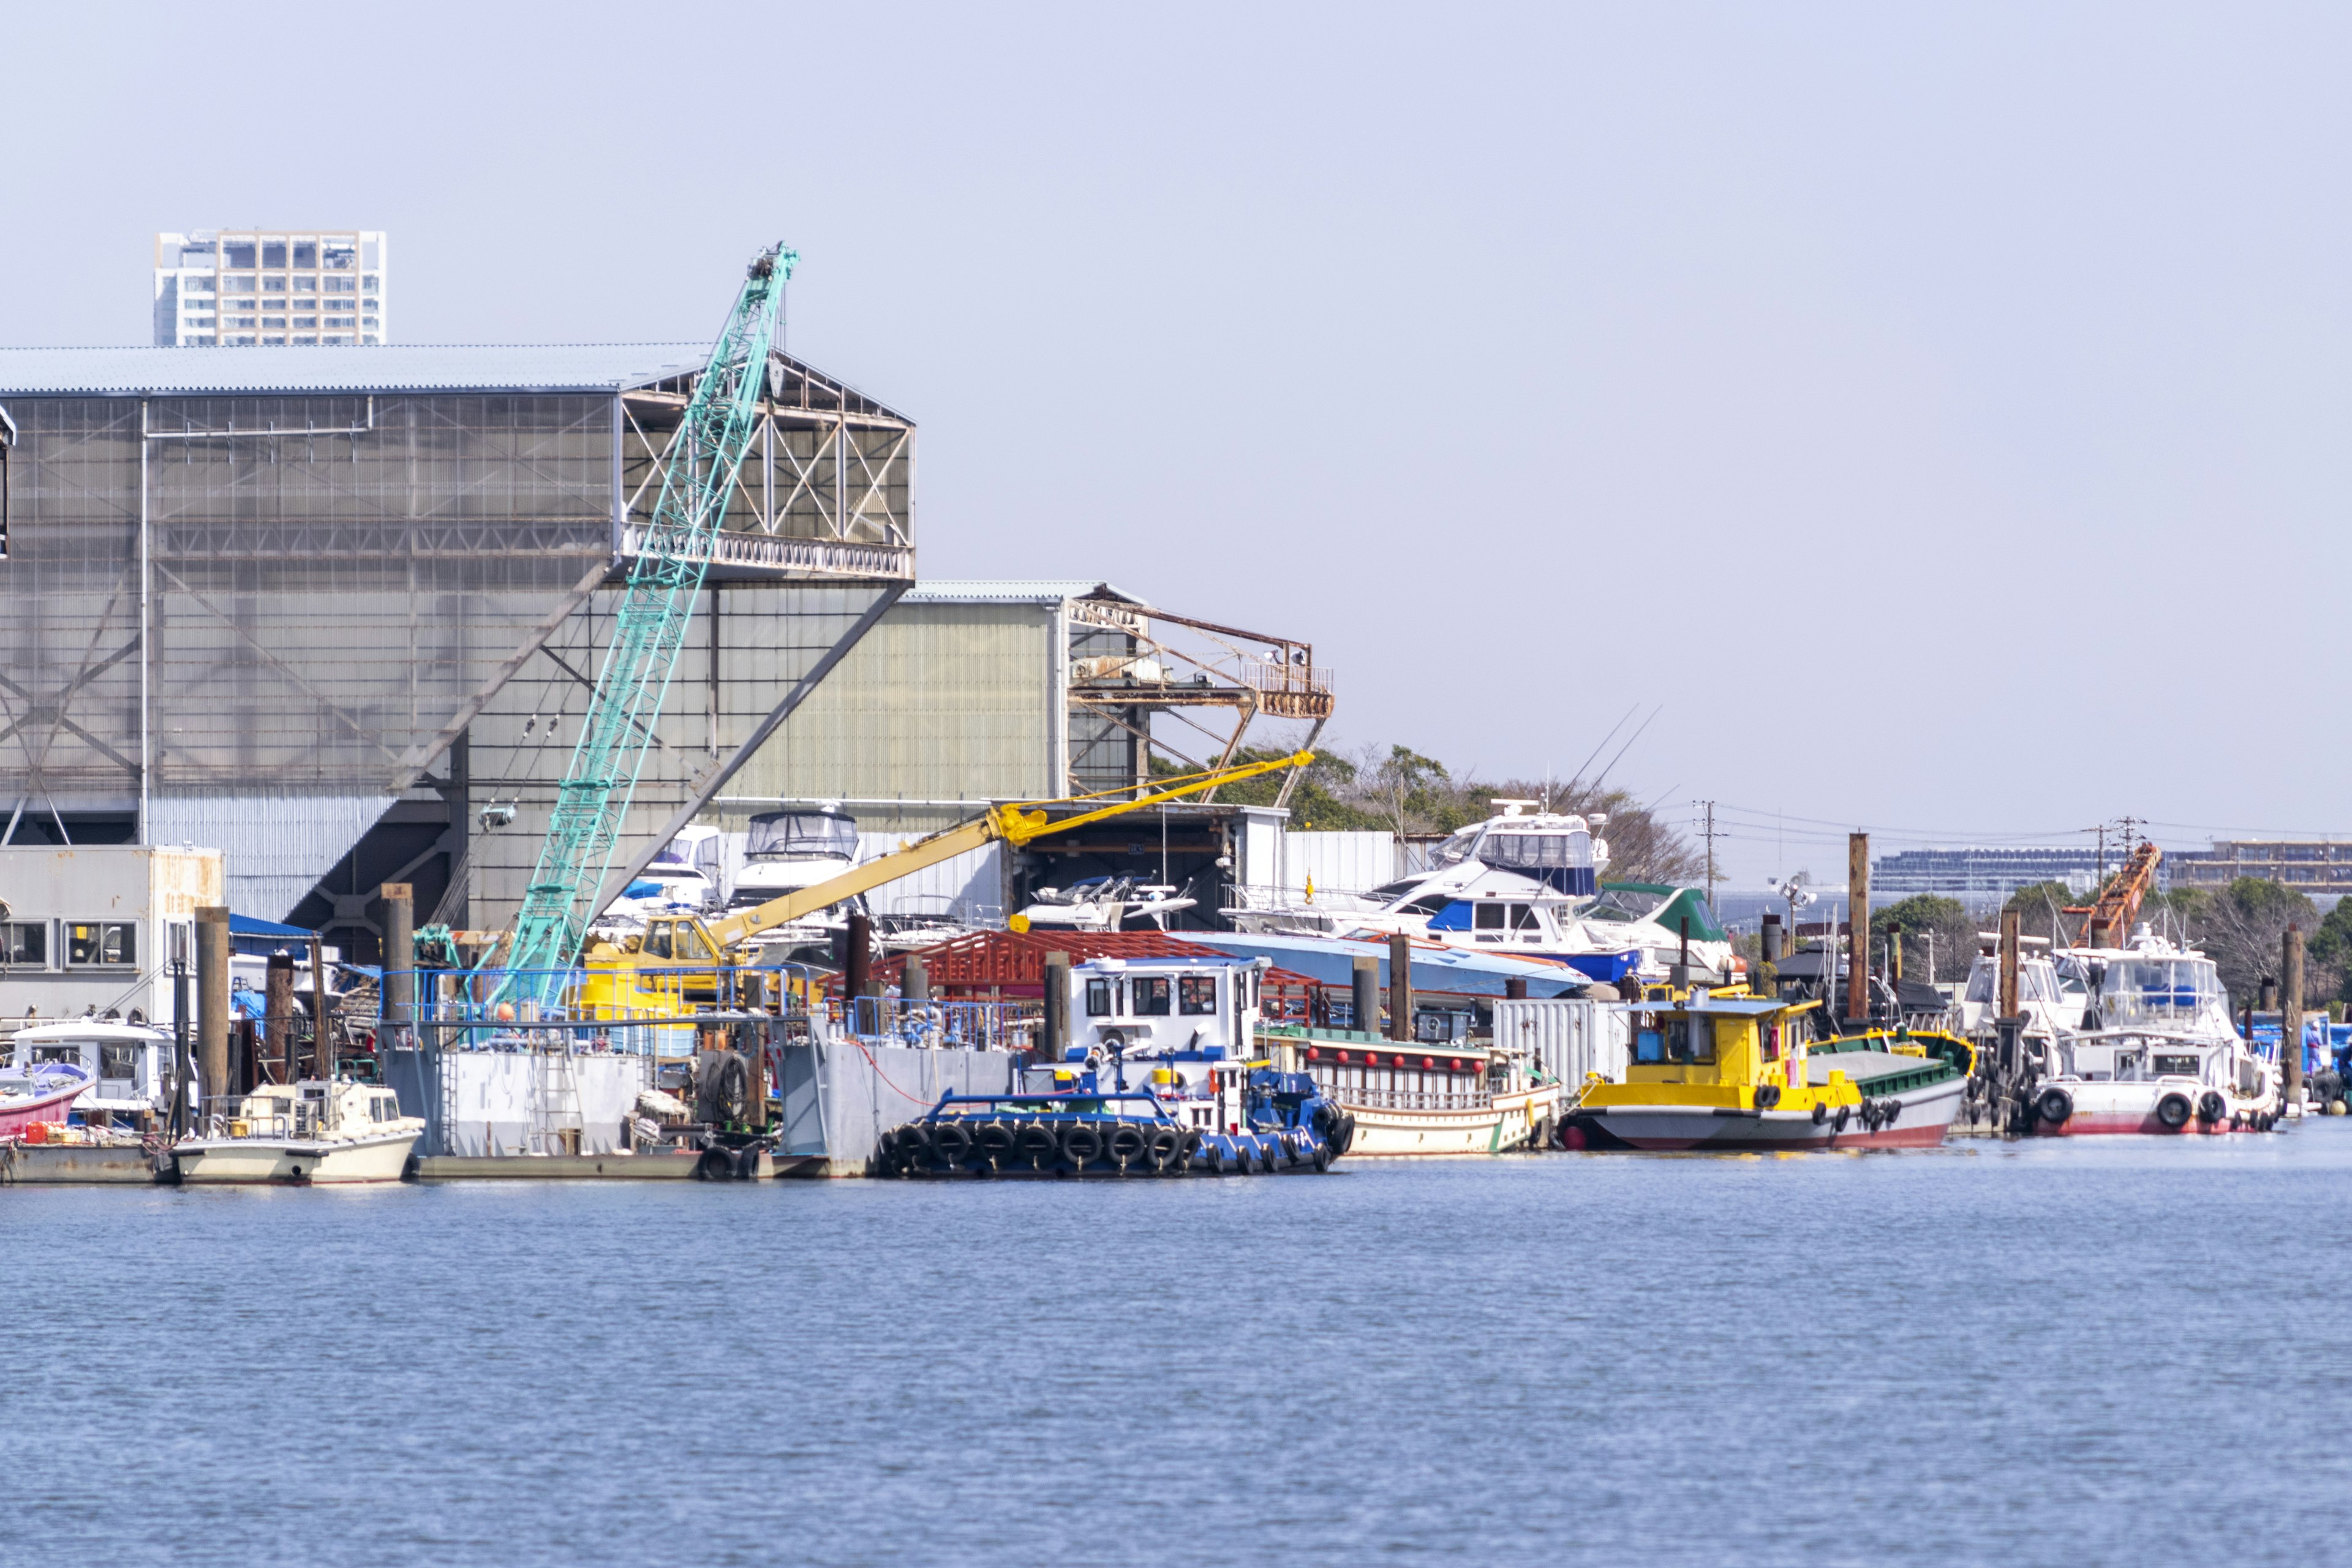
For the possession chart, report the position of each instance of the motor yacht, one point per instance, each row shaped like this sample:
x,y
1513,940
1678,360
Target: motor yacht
x,y
1103,903
784,851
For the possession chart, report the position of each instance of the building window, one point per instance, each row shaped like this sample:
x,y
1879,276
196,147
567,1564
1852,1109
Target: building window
x,y
102,942
237,285
369,321
306,320
273,285
238,252
273,321
196,285
25,944
368,282
305,253
273,253
372,338
269,343
340,286
203,341
337,340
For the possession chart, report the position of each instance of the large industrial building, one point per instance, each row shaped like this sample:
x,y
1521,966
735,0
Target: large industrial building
x,y
324,609
336,612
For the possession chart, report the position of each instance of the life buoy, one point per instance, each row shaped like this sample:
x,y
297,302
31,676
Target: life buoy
x,y
2172,1110
2054,1106
1082,1141
2210,1106
1036,1144
1126,1142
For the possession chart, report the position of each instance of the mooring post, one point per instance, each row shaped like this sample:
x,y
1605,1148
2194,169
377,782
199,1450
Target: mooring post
x,y
1857,901
915,984
182,1061
277,1008
1057,1005
2291,1019
212,1004
1399,986
1366,974
323,1048
857,970
1515,988
396,997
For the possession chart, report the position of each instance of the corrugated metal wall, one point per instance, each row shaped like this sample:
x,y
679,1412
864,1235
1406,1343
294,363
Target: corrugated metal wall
x,y
1339,862
1570,1037
939,702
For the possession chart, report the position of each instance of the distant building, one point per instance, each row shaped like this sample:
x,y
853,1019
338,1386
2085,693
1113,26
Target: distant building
x,y
256,288
1982,875
2316,868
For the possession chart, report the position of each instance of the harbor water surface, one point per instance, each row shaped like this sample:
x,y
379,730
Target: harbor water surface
x,y
2084,1351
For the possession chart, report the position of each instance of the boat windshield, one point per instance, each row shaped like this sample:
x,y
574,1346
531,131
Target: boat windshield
x,y
2036,983
1535,851
1455,850
2160,989
800,834
1624,904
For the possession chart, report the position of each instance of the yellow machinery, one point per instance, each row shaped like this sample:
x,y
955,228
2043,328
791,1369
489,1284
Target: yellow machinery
x,y
674,966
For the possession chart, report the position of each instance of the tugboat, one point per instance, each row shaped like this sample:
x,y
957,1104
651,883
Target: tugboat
x,y
1734,1072
1163,1080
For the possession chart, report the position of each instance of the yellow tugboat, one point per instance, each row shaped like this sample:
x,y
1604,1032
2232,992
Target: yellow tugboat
x,y
1735,1071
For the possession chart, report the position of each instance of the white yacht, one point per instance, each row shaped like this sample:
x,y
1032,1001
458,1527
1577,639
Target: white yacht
x,y
1103,903
685,876
310,1132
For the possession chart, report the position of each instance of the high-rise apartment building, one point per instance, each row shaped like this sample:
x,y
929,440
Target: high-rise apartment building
x,y
239,288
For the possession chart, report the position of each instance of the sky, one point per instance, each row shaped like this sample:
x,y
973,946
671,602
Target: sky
x,y
1928,418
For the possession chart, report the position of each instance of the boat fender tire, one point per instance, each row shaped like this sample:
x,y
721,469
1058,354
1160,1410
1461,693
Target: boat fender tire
x,y
914,1145
1082,1141
1322,1157
2054,1106
1166,1144
1216,1160
1843,1113
2173,1111
993,1139
716,1165
1126,1142
1821,1113
2210,1106
1768,1096
1347,1132
1036,1142
951,1141
1269,1155
1191,1142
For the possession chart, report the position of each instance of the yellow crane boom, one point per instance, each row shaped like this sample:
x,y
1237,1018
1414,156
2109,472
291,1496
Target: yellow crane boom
x,y
1013,824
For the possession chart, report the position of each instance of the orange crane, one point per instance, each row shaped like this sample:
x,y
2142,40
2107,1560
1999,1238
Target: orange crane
x,y
2108,919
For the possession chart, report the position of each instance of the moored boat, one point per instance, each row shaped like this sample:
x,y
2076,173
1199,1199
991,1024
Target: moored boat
x,y
1737,1072
312,1133
42,1094
1414,1097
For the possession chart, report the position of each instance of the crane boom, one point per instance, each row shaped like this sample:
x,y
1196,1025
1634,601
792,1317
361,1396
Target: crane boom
x,y
2108,921
657,606
1013,824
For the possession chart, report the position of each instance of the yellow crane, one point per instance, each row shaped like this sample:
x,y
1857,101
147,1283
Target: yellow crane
x,y
675,964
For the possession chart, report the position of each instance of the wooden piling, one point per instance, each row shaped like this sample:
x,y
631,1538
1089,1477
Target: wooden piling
x,y
1857,899
2009,944
211,1001
1399,986
915,985
2290,1015
857,970
1365,976
396,998
322,1040
1057,1005
278,1010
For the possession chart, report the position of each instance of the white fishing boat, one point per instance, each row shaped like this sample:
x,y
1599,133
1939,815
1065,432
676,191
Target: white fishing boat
x,y
2151,1049
784,851
309,1133
128,1065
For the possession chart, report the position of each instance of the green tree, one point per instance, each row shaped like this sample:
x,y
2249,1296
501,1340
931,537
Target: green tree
x,y
2040,907
1937,933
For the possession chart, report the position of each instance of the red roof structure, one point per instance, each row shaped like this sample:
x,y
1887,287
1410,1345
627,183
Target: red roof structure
x,y
1001,965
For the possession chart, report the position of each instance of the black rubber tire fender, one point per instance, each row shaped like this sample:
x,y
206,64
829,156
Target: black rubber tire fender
x,y
915,1146
2173,1111
1166,1144
1126,1142
1347,1132
993,1139
1821,1113
1036,1142
1322,1157
2210,1106
1192,1144
1844,1113
1216,1159
716,1165
951,1141
2053,1105
1081,1141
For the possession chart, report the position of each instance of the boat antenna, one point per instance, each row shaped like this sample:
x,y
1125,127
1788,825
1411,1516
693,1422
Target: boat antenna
x,y
1604,741
1627,746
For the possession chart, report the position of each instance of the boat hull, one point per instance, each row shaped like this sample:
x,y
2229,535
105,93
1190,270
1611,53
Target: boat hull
x,y
2129,1109
1510,1122
288,1162
16,1115
1924,1116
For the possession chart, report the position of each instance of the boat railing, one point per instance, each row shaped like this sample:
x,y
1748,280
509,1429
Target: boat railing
x,y
1413,1099
259,1116
935,1024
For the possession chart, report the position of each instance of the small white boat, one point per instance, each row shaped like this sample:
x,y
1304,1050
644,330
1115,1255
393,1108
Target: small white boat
x,y
310,1132
1103,903
128,1065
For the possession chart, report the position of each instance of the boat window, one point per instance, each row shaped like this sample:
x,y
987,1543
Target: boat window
x,y
24,943
1434,904
1535,851
1151,996
1649,1046
1196,993
800,835
1098,999
1523,917
1980,981
118,1059
1768,1039
1456,849
102,941
1690,1039
71,1053
1489,916
2176,1066
1387,890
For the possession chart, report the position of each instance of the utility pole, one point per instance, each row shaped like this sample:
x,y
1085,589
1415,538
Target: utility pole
x,y
2290,1021
1710,831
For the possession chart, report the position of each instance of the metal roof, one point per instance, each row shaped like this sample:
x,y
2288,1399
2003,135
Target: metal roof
x,y
400,367
1009,591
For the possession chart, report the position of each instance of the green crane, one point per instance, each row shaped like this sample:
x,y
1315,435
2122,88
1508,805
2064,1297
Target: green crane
x,y
656,607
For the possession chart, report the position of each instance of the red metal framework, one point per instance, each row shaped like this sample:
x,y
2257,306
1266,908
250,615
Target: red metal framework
x,y
1003,965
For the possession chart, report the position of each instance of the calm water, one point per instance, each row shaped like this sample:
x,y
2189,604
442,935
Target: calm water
x,y
2090,1351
